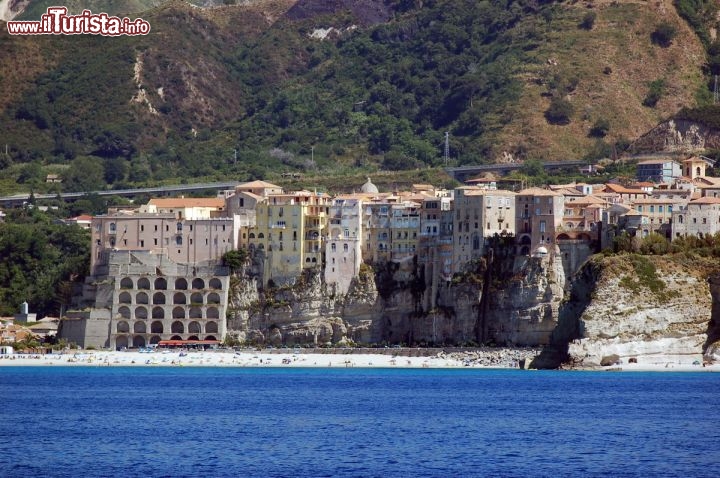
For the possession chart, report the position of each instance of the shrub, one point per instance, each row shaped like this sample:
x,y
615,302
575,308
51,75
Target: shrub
x,y
559,112
655,92
664,34
588,21
600,128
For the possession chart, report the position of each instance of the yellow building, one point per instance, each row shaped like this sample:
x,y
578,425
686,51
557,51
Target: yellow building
x,y
290,231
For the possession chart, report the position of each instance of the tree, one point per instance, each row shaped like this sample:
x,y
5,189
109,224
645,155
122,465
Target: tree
x,y
655,92
664,35
86,173
31,173
600,128
115,170
559,112
235,259
588,21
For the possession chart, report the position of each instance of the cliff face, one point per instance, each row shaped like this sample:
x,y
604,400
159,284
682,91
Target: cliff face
x,y
398,303
649,309
677,136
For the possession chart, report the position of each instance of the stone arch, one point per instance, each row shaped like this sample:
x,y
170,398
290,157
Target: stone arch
x,y
176,337
158,313
139,328
142,298
160,283
159,298
143,283
211,327
156,327
213,298
124,312
196,298
584,237
179,298
215,283
195,313
126,283
193,337
194,327
138,341
177,327
563,237
122,327
210,337
125,298
198,283
213,313
525,240
181,283
178,313
154,340
141,313
121,342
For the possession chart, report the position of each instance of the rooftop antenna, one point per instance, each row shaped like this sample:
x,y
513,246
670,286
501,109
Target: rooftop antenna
x,y
447,147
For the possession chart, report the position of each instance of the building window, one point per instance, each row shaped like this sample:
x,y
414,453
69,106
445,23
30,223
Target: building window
x,y
345,247
113,227
542,226
178,240
333,247
142,228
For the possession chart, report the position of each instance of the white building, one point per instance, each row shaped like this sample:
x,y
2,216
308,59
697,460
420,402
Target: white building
x,y
343,249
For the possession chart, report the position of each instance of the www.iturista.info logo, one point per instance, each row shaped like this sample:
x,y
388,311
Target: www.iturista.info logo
x,y
57,22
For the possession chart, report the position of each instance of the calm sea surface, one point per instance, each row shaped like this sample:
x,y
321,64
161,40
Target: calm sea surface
x,y
84,421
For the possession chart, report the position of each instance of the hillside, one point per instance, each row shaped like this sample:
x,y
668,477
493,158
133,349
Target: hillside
x,y
330,87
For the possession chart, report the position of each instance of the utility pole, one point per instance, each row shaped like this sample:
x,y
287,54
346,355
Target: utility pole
x,y
446,154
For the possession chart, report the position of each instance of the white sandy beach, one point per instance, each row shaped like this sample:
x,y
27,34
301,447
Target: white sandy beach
x,y
231,359
248,358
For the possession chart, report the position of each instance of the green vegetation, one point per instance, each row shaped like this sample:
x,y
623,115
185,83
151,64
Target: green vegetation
x,y
588,21
41,262
664,34
600,128
656,90
205,84
235,259
559,112
708,115
645,276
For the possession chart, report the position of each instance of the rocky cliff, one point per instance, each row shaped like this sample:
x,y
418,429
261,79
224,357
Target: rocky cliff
x,y
643,309
399,303
615,309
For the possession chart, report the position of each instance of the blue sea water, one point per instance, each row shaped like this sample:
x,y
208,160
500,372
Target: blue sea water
x,y
237,422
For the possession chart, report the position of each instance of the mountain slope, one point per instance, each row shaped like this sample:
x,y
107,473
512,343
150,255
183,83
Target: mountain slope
x,y
298,84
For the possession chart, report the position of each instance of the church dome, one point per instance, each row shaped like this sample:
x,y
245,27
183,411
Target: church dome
x,y
369,187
